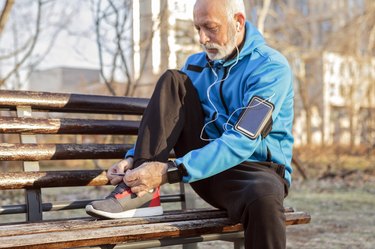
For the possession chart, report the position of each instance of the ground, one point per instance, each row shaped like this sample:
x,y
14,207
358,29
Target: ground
x,y
341,201
342,210
343,214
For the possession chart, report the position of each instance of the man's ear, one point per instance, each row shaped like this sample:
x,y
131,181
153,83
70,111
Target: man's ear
x,y
240,21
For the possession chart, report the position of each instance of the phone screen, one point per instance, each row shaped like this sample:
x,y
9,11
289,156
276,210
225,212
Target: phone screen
x,y
254,117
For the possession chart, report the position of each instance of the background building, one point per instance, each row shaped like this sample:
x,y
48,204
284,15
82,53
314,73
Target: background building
x,y
329,46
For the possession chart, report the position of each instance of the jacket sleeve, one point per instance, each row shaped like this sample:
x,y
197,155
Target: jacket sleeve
x,y
272,81
130,153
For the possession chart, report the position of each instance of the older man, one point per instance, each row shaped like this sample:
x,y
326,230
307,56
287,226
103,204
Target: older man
x,y
228,116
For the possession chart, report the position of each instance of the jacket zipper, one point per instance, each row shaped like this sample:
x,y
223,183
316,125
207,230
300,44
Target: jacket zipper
x,y
221,99
221,91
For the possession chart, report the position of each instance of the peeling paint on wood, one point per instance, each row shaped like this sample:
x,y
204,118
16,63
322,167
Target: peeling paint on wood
x,y
37,152
67,126
72,102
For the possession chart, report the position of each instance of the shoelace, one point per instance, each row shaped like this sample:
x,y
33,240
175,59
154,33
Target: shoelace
x,y
121,187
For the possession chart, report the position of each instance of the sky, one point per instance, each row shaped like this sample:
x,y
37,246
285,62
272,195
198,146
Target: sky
x,y
74,45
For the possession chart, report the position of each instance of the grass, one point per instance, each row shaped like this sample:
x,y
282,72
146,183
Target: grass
x,y
342,216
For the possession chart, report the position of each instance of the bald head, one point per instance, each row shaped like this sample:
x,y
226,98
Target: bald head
x,y
229,7
220,24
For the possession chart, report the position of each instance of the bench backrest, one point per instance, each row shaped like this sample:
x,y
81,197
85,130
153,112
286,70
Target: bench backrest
x,y
77,120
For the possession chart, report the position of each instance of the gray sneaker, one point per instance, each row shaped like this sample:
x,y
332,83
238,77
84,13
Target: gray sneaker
x,y
122,203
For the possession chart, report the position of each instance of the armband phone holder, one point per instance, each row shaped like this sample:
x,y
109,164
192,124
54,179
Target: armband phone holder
x,y
256,119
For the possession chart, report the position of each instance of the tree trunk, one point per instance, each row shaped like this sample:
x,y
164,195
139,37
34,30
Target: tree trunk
x,y
5,14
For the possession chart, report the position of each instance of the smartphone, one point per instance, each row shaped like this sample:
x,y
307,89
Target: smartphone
x,y
255,117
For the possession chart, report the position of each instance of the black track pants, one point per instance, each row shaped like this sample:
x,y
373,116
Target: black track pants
x,y
251,193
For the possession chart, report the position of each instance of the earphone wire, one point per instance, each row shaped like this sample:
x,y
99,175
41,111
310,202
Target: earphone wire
x,y
209,98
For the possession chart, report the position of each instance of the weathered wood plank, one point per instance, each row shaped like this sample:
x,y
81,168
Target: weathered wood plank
x,y
113,235
38,179
297,218
89,223
64,225
38,152
94,232
67,126
65,102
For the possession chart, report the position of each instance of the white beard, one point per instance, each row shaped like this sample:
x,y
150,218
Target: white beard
x,y
222,51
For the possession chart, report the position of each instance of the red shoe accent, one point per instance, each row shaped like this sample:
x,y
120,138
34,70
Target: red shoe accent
x,y
155,198
123,194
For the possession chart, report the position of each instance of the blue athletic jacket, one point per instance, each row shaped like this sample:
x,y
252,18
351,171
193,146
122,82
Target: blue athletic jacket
x,y
258,71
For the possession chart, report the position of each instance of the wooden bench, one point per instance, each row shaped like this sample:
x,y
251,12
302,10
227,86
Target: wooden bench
x,y
31,116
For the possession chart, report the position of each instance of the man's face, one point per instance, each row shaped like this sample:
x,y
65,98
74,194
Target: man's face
x,y
217,34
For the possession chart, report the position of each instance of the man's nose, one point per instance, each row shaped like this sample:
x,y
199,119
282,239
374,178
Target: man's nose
x,y
203,38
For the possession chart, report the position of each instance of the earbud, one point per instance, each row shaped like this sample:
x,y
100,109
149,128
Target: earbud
x,y
238,26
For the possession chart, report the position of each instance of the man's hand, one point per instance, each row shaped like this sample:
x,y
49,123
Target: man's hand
x,y
147,176
119,168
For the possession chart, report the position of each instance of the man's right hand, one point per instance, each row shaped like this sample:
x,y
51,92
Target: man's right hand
x,y
119,168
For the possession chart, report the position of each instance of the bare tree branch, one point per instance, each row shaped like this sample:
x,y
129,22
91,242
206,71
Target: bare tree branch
x,y
31,48
98,20
17,50
5,14
114,20
119,28
35,63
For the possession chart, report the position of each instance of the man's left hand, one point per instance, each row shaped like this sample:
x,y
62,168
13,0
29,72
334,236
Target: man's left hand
x,y
146,177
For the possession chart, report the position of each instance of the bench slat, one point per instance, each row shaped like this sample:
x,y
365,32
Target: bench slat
x,y
114,235
66,102
93,232
292,218
47,179
67,126
38,152
55,226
